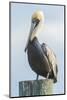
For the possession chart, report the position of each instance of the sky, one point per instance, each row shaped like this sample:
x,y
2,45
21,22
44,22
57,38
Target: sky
x,y
52,34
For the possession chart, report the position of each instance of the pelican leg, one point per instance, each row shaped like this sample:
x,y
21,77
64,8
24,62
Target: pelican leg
x,y
48,75
37,77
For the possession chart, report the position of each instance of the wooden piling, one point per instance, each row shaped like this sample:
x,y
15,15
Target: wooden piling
x,y
36,87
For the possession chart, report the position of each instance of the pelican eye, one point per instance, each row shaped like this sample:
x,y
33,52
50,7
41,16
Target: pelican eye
x,y
36,22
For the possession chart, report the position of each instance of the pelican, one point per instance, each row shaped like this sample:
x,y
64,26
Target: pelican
x,y
41,58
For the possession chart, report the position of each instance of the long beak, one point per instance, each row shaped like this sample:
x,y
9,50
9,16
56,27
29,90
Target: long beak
x,y
30,35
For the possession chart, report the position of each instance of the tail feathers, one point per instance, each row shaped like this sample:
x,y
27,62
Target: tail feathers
x,y
55,80
52,76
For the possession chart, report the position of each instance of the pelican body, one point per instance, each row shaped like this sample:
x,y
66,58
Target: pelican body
x,y
41,58
36,58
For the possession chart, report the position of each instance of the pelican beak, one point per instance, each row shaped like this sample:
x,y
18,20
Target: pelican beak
x,y
32,32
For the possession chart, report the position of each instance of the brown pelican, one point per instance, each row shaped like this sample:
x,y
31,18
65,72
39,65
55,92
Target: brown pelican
x,y
41,58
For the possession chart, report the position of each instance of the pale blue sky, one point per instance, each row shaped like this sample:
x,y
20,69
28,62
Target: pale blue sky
x,y
52,34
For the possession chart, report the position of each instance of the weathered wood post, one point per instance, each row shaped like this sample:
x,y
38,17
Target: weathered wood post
x,y
36,87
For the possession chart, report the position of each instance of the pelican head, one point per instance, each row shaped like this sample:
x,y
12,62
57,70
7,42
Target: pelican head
x,y
37,22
